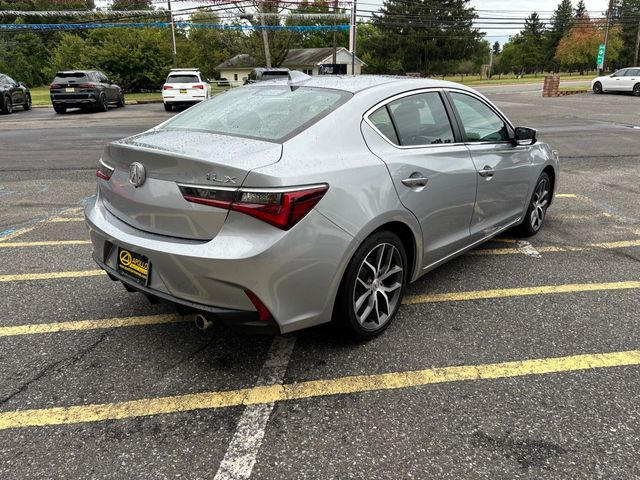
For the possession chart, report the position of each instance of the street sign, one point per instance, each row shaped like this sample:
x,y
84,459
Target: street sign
x,y
600,56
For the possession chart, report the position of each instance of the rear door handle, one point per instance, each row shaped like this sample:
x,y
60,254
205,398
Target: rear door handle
x,y
415,182
486,172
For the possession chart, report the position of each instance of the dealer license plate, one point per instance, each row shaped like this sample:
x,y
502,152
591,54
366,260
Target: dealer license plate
x,y
183,90
134,265
70,90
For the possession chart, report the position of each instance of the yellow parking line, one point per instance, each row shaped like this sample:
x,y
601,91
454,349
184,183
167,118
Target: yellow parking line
x,y
91,324
50,275
518,292
556,249
566,195
312,389
65,219
51,243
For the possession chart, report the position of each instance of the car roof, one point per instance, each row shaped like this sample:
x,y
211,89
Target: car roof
x,y
358,83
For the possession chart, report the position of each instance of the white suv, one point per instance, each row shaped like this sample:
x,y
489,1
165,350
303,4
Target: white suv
x,y
184,86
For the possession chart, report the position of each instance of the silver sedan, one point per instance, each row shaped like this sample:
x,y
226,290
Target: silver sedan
x,y
292,203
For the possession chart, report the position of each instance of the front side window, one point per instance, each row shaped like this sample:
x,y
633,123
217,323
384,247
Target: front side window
x,y
3,80
480,123
273,113
421,119
620,73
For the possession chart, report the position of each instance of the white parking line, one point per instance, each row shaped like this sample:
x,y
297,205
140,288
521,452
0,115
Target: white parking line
x,y
528,249
243,449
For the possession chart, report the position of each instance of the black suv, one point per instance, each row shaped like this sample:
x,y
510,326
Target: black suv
x,y
84,89
13,94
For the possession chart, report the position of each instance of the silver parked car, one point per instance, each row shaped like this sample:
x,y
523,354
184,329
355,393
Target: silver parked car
x,y
286,204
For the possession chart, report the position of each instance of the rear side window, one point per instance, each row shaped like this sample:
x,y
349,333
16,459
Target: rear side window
x,y
632,72
382,121
421,119
183,79
274,113
481,123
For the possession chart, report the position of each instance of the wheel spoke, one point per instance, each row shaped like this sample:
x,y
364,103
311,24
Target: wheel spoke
x,y
379,257
382,295
362,298
373,269
391,288
395,269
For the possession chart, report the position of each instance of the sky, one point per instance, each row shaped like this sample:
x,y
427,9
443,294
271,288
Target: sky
x,y
486,8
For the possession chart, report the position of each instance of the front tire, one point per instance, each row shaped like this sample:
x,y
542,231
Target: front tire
x,y
597,88
636,89
537,209
121,100
27,102
7,105
372,287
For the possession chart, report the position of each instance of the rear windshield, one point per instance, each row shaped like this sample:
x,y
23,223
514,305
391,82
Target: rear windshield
x,y
183,79
274,113
71,77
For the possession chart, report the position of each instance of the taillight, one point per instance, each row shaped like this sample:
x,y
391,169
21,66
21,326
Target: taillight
x,y
200,87
282,208
167,87
104,171
263,312
55,85
86,85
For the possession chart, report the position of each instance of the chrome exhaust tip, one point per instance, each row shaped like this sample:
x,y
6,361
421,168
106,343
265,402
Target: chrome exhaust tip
x,y
202,322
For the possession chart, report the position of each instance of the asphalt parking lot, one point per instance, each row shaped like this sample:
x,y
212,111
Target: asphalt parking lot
x,y
517,360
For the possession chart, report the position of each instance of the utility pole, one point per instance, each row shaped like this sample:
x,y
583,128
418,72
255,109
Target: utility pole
x,y
490,64
606,34
635,58
352,37
265,37
335,31
173,37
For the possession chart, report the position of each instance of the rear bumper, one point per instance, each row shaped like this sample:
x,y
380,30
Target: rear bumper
x,y
71,100
294,274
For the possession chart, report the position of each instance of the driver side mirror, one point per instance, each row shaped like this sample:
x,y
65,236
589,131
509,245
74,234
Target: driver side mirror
x,y
525,136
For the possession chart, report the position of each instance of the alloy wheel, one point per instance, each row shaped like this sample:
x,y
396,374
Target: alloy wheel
x,y
539,203
597,87
378,286
8,105
636,90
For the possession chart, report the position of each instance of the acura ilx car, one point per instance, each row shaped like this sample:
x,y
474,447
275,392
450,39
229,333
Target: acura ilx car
x,y
291,203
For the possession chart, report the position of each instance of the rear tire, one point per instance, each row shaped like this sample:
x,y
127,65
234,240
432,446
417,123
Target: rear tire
x,y
121,102
636,89
372,287
103,105
597,88
7,105
60,109
168,107
27,102
537,209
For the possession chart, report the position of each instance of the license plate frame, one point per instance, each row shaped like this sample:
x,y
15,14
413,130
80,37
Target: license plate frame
x,y
183,91
70,90
133,265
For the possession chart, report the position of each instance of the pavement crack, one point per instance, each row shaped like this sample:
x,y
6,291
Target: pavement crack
x,y
53,367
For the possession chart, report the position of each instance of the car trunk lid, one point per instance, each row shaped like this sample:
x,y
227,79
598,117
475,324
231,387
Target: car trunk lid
x,y
178,157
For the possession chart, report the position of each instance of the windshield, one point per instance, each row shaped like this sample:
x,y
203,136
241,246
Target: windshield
x,y
274,113
183,79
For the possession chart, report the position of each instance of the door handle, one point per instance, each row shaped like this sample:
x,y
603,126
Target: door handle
x,y
486,172
415,181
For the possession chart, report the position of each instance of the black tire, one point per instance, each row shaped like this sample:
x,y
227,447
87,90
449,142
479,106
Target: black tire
x,y
7,106
27,102
597,88
60,109
121,102
103,104
537,209
361,280
636,89
168,107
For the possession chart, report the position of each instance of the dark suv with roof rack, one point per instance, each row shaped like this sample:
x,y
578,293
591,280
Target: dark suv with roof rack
x,y
84,89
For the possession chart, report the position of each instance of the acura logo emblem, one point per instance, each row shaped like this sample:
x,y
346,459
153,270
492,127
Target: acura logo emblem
x,y
137,174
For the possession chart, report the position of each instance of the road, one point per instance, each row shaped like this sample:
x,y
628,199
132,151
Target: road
x,y
515,361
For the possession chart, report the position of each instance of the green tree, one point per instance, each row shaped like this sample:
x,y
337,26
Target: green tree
x,y
561,21
581,10
496,48
629,21
427,36
131,5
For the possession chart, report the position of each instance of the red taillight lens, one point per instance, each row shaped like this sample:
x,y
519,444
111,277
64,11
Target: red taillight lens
x,y
167,87
263,312
55,85
86,85
200,87
281,208
104,171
